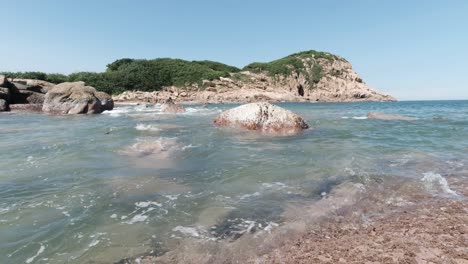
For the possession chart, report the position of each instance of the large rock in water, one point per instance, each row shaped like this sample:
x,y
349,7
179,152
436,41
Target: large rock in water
x,y
263,117
76,98
170,107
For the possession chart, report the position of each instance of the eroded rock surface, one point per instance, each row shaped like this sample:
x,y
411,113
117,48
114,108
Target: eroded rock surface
x,y
76,98
263,117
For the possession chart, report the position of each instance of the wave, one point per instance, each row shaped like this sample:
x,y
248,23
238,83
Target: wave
x,y
354,117
146,127
434,182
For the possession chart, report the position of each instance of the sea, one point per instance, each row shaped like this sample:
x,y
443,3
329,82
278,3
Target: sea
x,y
136,181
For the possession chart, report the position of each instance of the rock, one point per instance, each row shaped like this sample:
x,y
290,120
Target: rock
x,y
26,108
38,86
4,105
3,81
24,96
170,107
383,116
76,98
263,117
5,94
106,100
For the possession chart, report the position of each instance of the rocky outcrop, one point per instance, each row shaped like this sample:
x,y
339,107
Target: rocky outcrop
x,y
76,98
383,116
263,117
23,91
170,107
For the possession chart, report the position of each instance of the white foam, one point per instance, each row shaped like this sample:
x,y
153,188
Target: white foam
x,y
355,117
143,127
172,197
278,185
201,111
113,216
119,111
186,230
245,196
94,243
40,251
434,180
189,146
137,218
270,226
147,203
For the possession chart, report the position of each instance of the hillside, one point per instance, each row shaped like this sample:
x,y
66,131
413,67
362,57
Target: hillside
x,y
304,76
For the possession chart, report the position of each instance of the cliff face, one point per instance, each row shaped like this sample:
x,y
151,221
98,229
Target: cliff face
x,y
307,76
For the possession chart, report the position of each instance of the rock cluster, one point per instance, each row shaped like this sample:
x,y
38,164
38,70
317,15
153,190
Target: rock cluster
x,y
21,91
263,117
65,98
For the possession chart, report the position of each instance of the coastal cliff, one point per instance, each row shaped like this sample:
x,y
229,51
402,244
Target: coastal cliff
x,y
301,77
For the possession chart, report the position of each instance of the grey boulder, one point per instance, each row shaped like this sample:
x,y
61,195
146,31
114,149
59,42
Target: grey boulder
x,y
76,98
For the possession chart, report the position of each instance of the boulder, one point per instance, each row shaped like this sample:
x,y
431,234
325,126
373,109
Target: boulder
x,y
4,105
170,107
76,98
383,116
37,86
106,100
263,117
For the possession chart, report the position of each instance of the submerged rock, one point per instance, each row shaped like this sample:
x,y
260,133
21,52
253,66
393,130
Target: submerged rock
x,y
76,98
383,116
170,107
263,117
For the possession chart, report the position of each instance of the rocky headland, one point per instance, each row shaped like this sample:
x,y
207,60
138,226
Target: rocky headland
x,y
302,77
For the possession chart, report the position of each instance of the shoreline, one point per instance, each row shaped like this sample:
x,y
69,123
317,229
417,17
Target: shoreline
x,y
350,226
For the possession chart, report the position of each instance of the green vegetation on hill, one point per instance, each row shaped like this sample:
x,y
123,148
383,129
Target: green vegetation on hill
x,y
295,62
152,75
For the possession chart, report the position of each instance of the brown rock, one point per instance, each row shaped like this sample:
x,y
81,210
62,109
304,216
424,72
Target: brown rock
x,y
170,107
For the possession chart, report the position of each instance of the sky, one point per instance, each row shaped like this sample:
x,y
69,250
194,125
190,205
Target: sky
x,y
413,50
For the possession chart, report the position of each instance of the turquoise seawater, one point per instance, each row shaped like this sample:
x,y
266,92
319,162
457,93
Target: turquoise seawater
x,y
96,189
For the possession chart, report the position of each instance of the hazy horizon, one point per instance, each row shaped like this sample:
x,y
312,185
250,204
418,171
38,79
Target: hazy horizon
x,y
413,51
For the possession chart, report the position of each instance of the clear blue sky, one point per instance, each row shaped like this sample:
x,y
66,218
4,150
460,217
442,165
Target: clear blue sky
x,y
410,49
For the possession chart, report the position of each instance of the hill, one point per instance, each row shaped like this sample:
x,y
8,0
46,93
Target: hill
x,y
304,76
